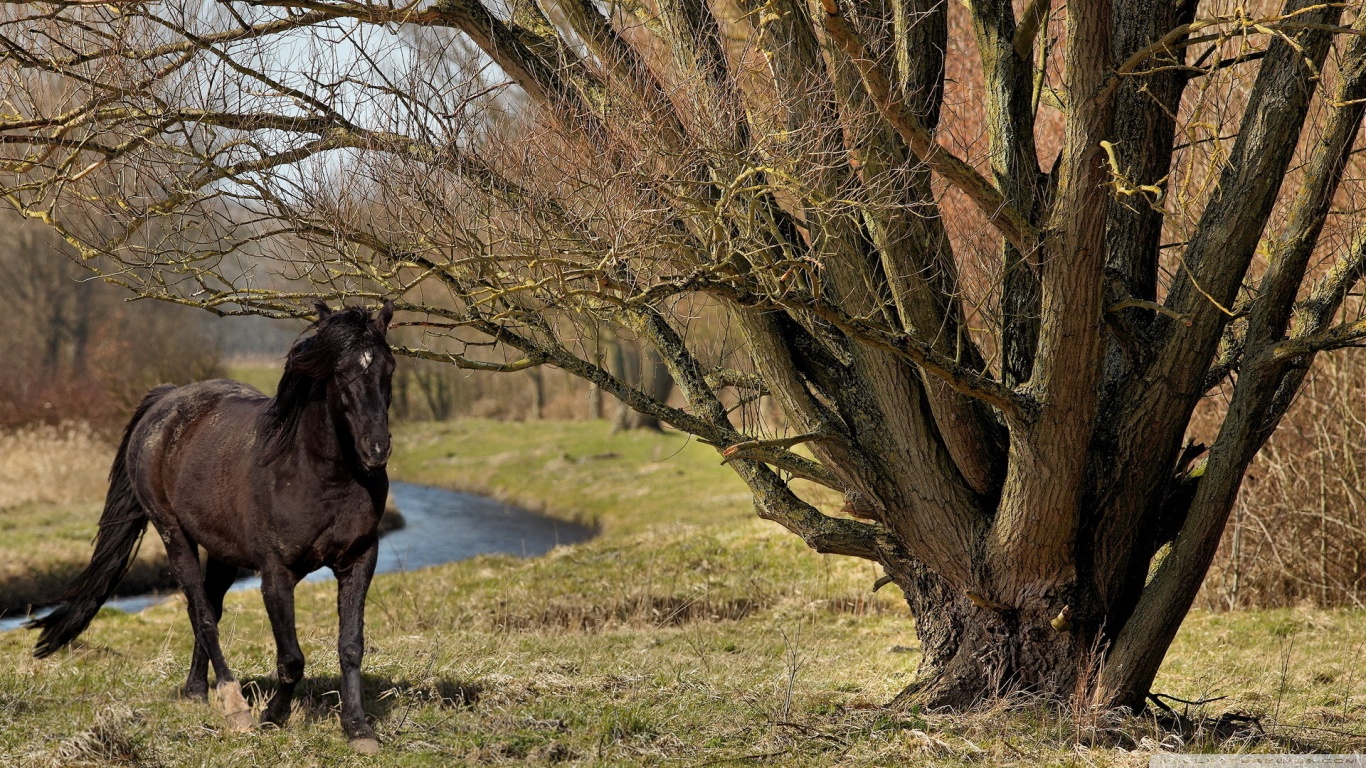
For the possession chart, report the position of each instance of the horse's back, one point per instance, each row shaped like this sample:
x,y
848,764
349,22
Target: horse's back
x,y
181,413
209,427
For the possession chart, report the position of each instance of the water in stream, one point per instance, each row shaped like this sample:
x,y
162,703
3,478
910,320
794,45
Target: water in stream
x,y
442,527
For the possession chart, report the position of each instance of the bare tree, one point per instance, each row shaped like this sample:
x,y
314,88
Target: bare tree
x,y
986,305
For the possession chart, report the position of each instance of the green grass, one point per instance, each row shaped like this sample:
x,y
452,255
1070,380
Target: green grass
x,y
626,482
688,633
260,374
44,546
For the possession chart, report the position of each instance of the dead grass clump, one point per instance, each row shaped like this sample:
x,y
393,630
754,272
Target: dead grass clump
x,y
862,604
440,693
60,464
553,753
114,739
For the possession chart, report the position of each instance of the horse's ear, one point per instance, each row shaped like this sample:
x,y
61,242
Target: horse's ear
x,y
324,311
386,313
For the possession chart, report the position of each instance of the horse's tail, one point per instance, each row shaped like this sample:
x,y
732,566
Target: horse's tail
x,y
121,528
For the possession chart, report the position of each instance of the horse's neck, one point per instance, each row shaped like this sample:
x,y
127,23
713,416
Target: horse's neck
x,y
320,432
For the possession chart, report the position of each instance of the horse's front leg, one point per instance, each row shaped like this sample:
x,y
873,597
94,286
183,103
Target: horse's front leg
x,y
353,581
277,589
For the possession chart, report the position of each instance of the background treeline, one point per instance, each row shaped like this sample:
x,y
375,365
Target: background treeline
x,y
76,351
430,390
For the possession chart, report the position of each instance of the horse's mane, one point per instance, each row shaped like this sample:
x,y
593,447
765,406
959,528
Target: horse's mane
x,y
309,366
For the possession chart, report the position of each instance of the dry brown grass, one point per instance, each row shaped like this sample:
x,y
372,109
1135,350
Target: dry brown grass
x,y
52,483
62,464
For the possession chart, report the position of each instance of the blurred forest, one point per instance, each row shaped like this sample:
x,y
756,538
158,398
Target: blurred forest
x,y
75,348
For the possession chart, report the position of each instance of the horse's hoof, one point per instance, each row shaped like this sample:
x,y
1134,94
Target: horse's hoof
x,y
365,746
241,722
235,709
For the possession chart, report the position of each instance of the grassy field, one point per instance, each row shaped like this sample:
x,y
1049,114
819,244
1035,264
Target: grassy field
x,y
688,633
52,481
261,373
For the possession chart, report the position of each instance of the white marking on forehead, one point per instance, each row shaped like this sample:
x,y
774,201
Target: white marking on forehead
x,y
365,359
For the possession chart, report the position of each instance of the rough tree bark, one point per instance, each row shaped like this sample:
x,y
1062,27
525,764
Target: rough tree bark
x,y
986,317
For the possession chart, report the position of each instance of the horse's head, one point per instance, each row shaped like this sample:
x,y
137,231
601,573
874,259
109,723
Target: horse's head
x,y
354,349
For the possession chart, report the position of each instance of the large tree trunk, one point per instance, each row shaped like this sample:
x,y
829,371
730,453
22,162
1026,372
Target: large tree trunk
x,y
999,654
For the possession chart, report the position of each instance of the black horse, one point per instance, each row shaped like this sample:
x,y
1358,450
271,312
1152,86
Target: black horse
x,y
283,486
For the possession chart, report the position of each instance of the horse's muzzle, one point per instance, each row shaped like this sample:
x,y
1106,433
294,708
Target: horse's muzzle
x,y
376,454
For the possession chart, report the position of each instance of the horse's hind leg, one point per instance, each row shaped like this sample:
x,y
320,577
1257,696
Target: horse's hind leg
x,y
218,576
353,581
277,588
184,557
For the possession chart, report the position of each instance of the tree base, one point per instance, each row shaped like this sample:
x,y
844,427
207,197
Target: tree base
x,y
1000,657
973,653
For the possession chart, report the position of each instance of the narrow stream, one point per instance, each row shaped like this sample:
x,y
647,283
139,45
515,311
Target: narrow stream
x,y
441,527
